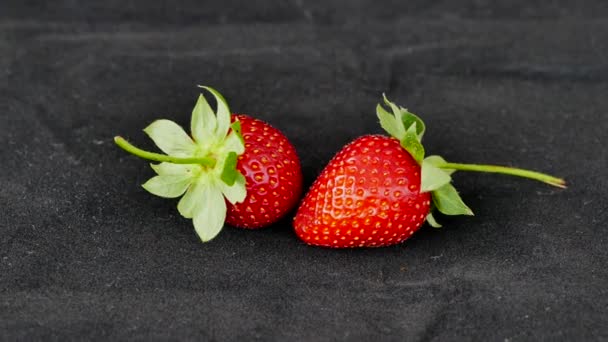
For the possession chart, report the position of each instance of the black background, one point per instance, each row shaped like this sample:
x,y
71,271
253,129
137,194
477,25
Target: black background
x,y
86,253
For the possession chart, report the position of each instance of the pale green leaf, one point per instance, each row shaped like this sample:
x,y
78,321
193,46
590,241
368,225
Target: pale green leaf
x,y
394,108
411,144
171,138
236,129
237,192
191,199
168,186
234,143
409,119
432,177
406,119
438,160
222,113
448,201
432,222
170,169
388,122
203,123
210,215
229,171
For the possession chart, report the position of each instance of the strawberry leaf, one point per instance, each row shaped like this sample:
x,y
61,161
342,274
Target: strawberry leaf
x,y
189,201
409,119
168,186
236,128
404,126
432,177
389,123
170,169
431,220
447,200
411,144
438,160
229,173
234,141
222,113
237,192
210,212
171,138
203,122
406,118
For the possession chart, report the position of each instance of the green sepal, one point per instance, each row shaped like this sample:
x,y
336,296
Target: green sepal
x,y
447,200
390,123
229,172
438,160
411,143
404,126
236,128
169,186
432,177
406,118
222,114
432,222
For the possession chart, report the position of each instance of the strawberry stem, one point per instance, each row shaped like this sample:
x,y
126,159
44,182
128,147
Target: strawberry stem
x,y
542,177
125,145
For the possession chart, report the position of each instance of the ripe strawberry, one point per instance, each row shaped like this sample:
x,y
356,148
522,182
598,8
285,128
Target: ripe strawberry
x,y
368,195
232,168
272,173
377,191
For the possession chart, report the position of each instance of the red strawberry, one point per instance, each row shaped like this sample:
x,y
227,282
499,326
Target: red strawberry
x,y
377,191
368,195
272,172
231,168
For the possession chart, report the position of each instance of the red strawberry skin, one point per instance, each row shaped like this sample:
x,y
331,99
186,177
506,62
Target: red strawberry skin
x,y
367,196
272,173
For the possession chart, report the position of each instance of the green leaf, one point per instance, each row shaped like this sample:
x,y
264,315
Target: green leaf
x,y
438,160
170,169
190,200
234,141
171,138
394,108
432,177
237,192
448,201
210,214
170,186
222,112
432,222
411,144
236,128
405,118
203,123
410,119
389,123
229,172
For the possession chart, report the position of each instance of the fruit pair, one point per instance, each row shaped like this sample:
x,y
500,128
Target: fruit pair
x,y
376,191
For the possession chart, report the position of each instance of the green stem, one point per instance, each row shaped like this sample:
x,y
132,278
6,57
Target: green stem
x,y
542,177
125,145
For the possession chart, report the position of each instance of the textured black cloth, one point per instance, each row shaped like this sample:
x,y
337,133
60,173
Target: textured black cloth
x,y
87,254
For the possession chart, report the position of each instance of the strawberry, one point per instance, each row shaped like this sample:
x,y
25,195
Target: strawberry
x,y
379,190
232,168
273,176
368,195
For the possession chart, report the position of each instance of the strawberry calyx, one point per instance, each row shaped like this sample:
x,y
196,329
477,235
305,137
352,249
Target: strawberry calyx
x,y
200,166
436,172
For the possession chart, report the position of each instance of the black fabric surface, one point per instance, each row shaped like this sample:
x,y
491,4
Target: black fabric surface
x,y
87,254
